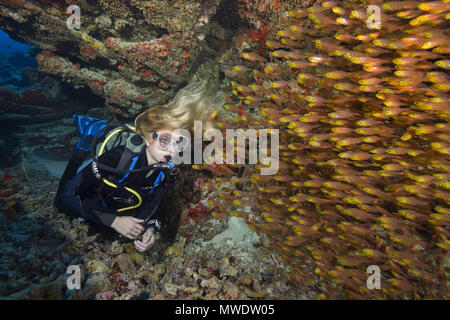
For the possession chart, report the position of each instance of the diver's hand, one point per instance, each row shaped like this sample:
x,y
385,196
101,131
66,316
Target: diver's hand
x,y
147,240
128,226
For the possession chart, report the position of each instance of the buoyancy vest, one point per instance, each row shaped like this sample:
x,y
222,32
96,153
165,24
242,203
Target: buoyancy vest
x,y
98,137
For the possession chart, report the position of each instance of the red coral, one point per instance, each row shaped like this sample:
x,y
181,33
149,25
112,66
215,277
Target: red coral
x,y
164,42
146,75
277,4
34,98
198,212
89,52
47,54
44,55
110,42
241,110
164,51
6,178
259,35
120,286
96,83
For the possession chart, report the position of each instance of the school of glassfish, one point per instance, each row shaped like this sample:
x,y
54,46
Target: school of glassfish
x,y
364,146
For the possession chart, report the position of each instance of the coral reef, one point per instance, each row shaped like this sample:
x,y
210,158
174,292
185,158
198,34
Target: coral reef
x,y
34,253
134,54
364,140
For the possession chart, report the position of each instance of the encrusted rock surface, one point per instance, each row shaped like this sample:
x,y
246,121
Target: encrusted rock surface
x,y
136,54
133,54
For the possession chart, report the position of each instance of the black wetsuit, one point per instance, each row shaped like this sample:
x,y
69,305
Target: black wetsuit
x,y
87,197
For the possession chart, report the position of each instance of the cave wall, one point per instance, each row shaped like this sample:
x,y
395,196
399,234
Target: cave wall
x,y
137,54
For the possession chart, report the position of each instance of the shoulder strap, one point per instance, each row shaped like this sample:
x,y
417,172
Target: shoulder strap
x,y
126,156
122,135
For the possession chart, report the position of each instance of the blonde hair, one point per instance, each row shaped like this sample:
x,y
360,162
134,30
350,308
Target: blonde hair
x,y
195,102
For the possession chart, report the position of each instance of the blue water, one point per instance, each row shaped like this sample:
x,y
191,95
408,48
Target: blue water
x,y
14,58
9,45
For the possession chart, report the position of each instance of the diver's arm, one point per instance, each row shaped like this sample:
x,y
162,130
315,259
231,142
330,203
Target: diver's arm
x,y
99,215
129,227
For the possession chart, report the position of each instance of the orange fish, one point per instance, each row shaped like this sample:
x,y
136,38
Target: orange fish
x,y
241,87
280,84
353,228
371,36
341,99
230,74
257,88
376,69
434,6
346,86
274,44
425,18
321,19
375,51
244,202
406,61
409,74
319,59
408,14
298,14
252,56
344,114
347,141
399,5
367,130
358,13
341,130
291,43
272,189
295,55
280,53
311,117
356,213
444,49
412,201
271,113
241,69
355,155
331,46
368,122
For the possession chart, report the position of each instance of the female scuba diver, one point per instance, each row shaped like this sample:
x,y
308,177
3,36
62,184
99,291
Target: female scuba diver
x,y
119,175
